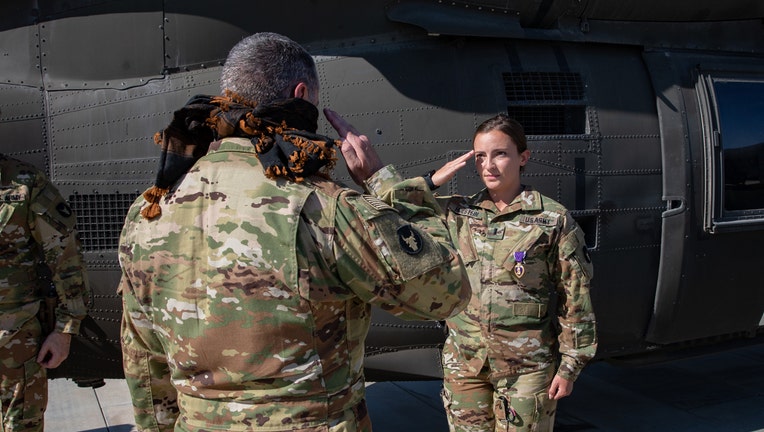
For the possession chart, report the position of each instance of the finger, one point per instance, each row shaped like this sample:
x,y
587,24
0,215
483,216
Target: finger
x,y
55,359
54,362
49,364
349,152
459,162
465,157
339,124
553,390
42,354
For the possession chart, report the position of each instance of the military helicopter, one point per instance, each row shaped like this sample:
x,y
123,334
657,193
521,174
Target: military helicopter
x,y
645,118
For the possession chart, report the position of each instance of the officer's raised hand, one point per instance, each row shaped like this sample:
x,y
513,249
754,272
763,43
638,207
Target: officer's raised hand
x,y
360,157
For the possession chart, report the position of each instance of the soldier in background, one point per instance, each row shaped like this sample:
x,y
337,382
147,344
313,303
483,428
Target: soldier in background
x,y
36,229
248,274
530,275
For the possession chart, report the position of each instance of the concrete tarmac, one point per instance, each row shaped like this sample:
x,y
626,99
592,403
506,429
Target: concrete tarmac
x,y
721,392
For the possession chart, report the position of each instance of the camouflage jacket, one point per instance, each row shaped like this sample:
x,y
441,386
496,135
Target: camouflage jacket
x,y
247,302
525,264
37,229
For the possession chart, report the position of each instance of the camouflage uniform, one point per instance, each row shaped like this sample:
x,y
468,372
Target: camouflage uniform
x,y
501,353
37,229
246,304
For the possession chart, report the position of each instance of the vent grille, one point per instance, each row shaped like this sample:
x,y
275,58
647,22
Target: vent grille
x,y
547,103
550,120
544,87
100,218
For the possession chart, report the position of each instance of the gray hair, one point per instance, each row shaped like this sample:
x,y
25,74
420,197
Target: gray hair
x,y
265,67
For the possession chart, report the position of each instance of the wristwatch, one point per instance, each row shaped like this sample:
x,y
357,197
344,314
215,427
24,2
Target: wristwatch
x,y
428,179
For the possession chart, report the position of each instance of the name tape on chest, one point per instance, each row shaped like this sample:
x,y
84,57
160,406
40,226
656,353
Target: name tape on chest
x,y
465,211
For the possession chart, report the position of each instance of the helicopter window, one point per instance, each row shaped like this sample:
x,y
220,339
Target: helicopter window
x,y
740,109
547,103
100,218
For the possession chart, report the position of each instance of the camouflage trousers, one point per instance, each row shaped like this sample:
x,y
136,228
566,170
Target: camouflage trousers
x,y
355,419
24,385
512,404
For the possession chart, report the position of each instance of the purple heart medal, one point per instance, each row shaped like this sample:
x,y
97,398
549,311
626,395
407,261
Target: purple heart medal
x,y
519,258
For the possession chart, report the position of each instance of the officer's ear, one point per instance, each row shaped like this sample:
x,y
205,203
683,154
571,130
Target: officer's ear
x,y
302,91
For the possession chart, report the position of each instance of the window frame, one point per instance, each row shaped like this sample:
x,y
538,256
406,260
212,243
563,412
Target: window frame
x,y
716,218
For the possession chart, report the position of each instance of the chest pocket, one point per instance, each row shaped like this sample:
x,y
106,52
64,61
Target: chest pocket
x,y
527,259
521,290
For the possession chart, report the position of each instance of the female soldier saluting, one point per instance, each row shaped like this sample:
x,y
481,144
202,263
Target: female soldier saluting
x,y
522,250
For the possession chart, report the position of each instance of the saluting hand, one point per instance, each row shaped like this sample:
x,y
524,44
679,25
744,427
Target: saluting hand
x,y
360,157
448,171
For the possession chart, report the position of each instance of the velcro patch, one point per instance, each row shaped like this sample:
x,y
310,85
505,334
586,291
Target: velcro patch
x,y
538,220
11,194
496,232
14,197
465,211
376,203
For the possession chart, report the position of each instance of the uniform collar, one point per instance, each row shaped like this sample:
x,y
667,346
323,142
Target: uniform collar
x,y
528,200
232,144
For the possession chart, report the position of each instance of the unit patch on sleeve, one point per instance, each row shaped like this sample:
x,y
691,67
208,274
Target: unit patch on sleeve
x,y
64,210
410,240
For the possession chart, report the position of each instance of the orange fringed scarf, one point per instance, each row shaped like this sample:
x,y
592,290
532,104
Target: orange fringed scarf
x,y
283,134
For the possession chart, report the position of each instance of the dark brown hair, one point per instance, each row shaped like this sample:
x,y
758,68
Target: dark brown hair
x,y
509,126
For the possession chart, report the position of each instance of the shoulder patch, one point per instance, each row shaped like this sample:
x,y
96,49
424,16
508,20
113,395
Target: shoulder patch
x,y
410,240
64,210
403,249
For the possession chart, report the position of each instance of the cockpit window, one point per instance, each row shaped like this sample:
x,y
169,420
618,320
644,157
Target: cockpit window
x,y
733,124
740,106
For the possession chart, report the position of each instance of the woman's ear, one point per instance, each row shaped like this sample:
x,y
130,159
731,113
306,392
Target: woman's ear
x,y
524,156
